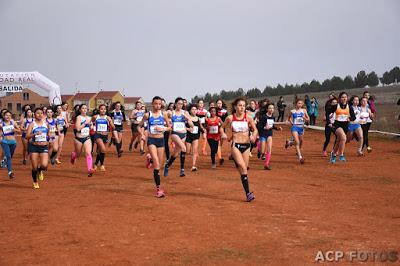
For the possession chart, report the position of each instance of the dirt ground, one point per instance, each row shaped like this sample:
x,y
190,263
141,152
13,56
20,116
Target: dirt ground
x,y
113,218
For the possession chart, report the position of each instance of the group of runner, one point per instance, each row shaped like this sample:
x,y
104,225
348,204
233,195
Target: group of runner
x,y
250,125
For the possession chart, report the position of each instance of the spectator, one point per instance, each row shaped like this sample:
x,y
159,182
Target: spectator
x,y
313,111
281,109
371,105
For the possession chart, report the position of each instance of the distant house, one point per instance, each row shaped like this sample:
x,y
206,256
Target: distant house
x,y
69,99
130,102
88,98
14,101
109,97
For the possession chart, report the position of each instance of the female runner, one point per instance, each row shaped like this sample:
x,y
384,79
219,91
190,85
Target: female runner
x,y
354,126
241,124
62,125
38,136
118,117
25,122
102,123
82,139
202,114
9,143
179,118
53,133
214,133
193,135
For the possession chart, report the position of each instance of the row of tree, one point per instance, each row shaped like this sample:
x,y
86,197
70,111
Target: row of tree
x,y
361,80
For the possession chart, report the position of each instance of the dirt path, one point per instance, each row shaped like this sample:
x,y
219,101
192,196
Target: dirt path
x,y
113,218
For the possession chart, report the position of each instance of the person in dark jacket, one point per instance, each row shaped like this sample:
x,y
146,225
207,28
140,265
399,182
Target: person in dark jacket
x,y
281,109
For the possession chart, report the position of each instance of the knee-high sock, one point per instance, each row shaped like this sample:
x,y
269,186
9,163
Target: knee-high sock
x,y
89,161
170,161
156,175
102,155
98,158
183,156
245,183
34,175
267,158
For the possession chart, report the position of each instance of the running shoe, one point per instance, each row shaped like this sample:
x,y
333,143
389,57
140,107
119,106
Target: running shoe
x,y
182,173
53,161
250,197
73,158
40,175
360,153
136,144
369,149
258,154
11,175
120,153
342,158
141,152
58,161
130,147
4,163
214,166
267,167
324,154
90,173
148,161
302,160
263,157
102,168
287,144
160,193
194,169
166,170
221,161
333,158
36,185
250,154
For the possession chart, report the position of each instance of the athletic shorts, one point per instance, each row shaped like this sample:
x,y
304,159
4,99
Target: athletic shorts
x,y
104,138
158,142
179,134
299,130
353,127
82,140
242,147
135,128
38,148
118,128
343,125
265,135
192,137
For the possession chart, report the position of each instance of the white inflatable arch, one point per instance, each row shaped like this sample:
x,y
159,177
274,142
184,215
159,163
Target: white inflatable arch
x,y
7,78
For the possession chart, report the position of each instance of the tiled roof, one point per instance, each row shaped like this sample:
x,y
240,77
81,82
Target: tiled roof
x,y
84,96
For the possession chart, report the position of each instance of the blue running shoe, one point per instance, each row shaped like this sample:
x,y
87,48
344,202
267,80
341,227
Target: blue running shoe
x,y
341,158
182,173
333,158
166,170
250,197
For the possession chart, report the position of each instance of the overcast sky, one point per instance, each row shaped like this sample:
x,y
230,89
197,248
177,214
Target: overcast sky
x,y
182,48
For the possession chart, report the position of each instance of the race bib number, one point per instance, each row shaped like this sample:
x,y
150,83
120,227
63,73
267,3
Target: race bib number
x,y
179,126
139,118
60,126
195,130
41,137
270,122
85,132
202,120
8,129
299,121
154,131
240,126
101,128
213,130
117,121
342,118
52,128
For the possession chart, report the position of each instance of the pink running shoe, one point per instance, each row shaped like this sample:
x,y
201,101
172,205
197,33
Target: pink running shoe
x,y
324,154
73,157
302,160
149,163
160,193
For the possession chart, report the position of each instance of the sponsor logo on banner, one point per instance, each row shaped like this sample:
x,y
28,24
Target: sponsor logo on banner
x,y
23,77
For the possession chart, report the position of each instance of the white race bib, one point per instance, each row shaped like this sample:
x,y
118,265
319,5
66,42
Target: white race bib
x,y
60,126
213,130
299,121
41,137
85,132
139,118
179,126
117,122
8,129
270,122
195,130
101,128
154,131
52,128
342,118
240,126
